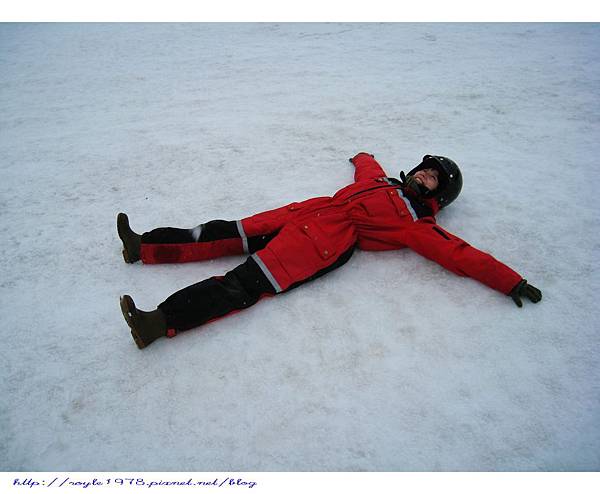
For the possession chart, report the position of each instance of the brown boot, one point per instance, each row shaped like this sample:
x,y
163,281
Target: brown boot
x,y
131,240
145,326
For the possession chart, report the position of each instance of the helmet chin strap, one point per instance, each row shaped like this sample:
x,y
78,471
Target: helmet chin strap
x,y
411,183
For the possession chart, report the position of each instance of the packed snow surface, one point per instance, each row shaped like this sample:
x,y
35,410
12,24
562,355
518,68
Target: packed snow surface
x,y
389,363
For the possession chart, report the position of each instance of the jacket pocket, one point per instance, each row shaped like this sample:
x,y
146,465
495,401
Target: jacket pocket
x,y
321,241
381,204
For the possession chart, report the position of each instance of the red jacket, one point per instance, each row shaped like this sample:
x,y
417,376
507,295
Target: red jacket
x,y
374,214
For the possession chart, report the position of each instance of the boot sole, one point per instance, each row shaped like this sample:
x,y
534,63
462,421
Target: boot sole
x,y
126,257
128,309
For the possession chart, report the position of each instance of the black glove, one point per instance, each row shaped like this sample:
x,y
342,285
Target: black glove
x,y
523,289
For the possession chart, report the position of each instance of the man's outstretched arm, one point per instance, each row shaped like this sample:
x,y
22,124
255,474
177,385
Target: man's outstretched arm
x,y
366,167
456,255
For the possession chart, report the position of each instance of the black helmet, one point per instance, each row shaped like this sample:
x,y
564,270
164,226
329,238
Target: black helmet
x,y
450,178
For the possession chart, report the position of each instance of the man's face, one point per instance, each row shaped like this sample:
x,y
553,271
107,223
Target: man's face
x,y
427,177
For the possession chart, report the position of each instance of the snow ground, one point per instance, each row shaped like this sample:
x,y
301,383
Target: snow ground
x,y
387,364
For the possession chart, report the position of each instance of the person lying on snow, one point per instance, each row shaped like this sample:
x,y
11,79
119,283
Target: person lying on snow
x,y
302,241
